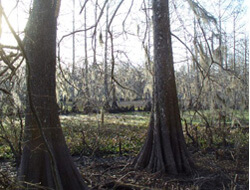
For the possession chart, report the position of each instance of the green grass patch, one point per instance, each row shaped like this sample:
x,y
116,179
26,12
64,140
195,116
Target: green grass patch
x,y
124,133
120,133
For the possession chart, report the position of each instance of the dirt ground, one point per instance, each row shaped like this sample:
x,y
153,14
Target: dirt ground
x,y
215,170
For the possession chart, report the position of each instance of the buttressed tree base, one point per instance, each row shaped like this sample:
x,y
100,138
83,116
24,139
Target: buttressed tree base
x,y
165,149
49,163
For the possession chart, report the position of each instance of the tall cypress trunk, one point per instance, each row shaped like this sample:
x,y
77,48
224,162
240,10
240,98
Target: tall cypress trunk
x,y
164,149
36,167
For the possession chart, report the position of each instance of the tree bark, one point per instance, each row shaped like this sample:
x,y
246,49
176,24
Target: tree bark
x,y
86,62
40,48
165,149
73,72
106,85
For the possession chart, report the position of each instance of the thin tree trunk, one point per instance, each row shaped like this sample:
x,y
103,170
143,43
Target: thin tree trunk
x,y
73,51
95,67
226,53
106,91
73,38
0,20
245,71
86,54
196,69
234,44
220,37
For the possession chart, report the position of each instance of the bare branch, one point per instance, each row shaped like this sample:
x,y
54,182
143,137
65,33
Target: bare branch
x,y
83,6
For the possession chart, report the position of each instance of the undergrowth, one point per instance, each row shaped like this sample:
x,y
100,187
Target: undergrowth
x,y
220,151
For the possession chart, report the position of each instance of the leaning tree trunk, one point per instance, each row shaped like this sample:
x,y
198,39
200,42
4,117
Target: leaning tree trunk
x,y
37,165
165,149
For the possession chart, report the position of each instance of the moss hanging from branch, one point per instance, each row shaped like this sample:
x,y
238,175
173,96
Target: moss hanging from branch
x,y
201,12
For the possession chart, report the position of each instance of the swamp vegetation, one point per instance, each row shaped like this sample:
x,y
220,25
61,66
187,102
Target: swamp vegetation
x,y
103,153
157,101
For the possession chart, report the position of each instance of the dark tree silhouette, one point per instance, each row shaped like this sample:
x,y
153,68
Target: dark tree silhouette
x,y
165,148
46,159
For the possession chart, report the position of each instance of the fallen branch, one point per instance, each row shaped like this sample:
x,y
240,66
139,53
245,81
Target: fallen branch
x,y
120,185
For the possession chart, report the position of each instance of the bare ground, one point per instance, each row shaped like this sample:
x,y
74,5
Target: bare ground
x,y
213,172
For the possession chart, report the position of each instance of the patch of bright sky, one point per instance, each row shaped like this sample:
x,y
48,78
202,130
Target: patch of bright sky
x,y
17,16
128,43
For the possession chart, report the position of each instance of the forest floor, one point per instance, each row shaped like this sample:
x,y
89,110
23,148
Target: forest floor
x,y
104,151
211,174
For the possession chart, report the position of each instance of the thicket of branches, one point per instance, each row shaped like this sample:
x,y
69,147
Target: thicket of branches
x,y
210,51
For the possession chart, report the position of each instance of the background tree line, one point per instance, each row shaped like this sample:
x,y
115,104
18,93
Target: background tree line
x,y
211,57
211,54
